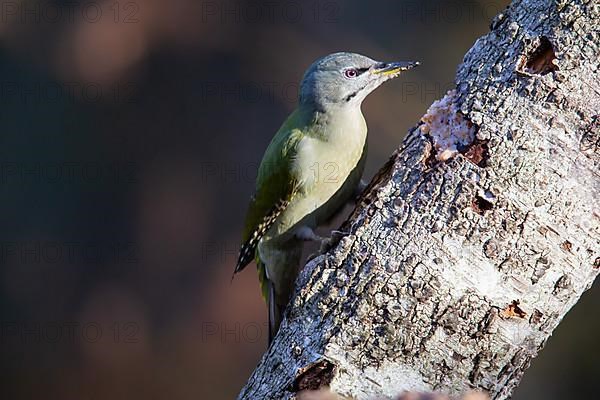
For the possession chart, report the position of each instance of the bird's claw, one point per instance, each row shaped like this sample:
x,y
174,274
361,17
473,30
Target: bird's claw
x,y
332,240
325,243
307,234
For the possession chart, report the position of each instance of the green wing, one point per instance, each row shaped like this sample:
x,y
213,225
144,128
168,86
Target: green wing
x,y
275,187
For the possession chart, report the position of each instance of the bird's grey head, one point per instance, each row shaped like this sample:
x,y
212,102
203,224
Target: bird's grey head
x,y
341,79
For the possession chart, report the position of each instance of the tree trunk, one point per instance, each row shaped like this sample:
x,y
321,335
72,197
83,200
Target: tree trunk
x,y
472,243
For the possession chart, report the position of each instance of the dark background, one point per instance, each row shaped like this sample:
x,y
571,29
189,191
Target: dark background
x,y
130,135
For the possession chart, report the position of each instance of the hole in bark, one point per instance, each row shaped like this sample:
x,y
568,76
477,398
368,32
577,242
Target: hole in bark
x,y
458,357
429,153
563,283
316,376
536,317
597,263
481,205
477,152
566,245
590,139
431,159
540,61
513,310
490,249
475,372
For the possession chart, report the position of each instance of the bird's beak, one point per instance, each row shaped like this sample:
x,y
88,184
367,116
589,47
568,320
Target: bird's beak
x,y
393,68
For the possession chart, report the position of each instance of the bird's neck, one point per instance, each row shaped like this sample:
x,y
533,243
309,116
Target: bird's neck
x,y
334,123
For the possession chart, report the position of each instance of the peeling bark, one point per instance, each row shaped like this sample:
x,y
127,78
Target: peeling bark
x,y
468,248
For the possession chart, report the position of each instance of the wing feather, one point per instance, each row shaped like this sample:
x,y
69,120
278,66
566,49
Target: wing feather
x,y
276,186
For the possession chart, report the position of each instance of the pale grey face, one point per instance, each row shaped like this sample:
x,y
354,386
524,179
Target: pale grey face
x,y
346,78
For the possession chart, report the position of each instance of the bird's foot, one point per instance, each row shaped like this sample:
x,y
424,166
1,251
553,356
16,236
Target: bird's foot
x,y
325,243
332,240
306,233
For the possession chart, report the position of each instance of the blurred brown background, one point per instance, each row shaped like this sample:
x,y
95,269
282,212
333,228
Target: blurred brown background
x,y
130,135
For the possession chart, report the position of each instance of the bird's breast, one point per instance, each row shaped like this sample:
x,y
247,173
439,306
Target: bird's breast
x,y
323,166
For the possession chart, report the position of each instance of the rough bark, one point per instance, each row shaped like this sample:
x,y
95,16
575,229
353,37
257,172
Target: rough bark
x,y
477,237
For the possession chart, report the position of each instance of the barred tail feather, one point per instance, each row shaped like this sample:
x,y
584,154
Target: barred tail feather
x,y
275,314
281,269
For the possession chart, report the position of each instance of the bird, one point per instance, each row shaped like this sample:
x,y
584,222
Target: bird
x,y
310,170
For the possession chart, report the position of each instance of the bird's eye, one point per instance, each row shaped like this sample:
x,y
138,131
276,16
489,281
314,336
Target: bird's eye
x,y
351,73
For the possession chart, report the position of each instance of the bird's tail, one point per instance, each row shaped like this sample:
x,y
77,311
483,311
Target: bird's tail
x,y
278,279
275,312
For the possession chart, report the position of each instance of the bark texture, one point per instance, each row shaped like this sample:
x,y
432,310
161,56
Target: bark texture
x,y
476,238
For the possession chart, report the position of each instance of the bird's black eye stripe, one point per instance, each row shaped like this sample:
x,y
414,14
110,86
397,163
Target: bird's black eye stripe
x,y
361,70
351,96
